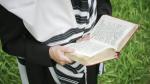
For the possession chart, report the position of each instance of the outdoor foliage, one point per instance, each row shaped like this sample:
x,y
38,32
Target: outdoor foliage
x,y
133,66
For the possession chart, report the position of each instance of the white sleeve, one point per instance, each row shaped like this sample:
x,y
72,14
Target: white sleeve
x,y
22,8
43,18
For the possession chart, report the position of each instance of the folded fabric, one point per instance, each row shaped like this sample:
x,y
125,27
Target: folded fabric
x,y
43,18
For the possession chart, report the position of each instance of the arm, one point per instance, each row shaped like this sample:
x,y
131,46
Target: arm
x,y
103,7
17,41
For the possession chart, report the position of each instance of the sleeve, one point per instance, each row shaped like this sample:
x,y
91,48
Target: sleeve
x,y
103,7
16,40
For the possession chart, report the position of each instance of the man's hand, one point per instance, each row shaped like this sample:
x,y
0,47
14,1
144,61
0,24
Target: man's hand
x,y
57,54
84,38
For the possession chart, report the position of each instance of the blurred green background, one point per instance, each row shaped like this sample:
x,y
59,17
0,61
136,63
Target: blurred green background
x,y
133,67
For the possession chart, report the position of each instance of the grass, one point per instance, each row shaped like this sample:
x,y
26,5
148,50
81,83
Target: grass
x,y
133,67
8,69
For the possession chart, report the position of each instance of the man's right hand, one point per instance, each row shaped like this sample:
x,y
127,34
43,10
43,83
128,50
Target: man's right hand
x,y
57,54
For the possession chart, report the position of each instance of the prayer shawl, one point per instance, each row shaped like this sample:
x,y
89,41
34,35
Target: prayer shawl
x,y
57,22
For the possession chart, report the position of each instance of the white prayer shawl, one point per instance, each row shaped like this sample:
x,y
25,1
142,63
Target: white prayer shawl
x,y
43,18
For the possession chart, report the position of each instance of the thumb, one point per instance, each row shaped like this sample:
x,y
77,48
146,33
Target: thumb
x,y
65,58
67,49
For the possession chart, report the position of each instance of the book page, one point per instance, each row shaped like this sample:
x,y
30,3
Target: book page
x,y
87,48
111,30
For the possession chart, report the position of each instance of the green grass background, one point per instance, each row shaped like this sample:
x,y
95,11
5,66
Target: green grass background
x,y
133,67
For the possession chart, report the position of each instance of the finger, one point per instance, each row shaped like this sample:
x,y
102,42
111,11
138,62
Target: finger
x,y
79,40
67,49
85,38
64,58
117,55
86,35
62,63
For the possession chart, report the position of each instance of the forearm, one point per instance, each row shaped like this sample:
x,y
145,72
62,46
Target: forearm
x,y
33,52
37,53
17,42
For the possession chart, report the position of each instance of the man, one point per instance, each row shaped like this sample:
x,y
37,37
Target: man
x,y
17,41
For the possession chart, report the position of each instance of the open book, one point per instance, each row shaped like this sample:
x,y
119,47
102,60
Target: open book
x,y
108,37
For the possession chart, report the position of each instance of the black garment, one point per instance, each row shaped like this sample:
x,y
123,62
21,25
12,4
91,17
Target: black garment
x,y
17,41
